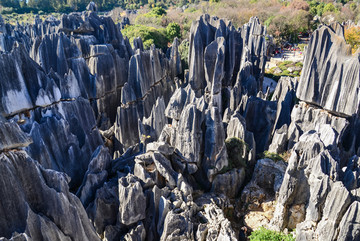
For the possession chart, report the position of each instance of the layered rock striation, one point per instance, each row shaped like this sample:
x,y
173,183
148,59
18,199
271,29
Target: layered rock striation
x,y
102,140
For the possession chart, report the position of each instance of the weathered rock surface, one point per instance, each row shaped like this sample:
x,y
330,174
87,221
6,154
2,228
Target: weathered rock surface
x,y
205,35
12,137
64,137
329,55
132,200
31,193
260,193
146,152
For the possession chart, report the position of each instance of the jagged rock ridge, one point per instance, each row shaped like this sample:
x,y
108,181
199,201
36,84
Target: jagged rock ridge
x,y
151,157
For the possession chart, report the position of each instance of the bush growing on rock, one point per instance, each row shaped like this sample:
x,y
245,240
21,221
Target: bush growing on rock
x,y
237,150
273,156
173,30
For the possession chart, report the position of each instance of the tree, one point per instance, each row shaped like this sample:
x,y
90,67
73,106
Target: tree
x,y
329,8
10,3
299,5
353,6
173,30
158,11
352,37
149,35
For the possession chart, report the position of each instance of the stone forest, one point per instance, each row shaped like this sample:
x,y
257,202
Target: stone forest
x,y
103,139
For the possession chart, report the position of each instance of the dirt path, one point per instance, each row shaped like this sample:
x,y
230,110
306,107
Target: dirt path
x,y
289,55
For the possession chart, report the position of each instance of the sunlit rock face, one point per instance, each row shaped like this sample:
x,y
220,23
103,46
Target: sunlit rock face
x,y
100,139
330,76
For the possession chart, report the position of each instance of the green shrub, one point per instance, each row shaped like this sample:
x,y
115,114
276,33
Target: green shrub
x,y
299,64
149,35
329,8
285,72
268,21
157,11
353,6
173,30
296,73
282,66
237,151
263,234
273,156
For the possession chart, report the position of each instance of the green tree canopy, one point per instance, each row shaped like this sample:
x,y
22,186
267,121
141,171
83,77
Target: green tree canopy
x,y
173,30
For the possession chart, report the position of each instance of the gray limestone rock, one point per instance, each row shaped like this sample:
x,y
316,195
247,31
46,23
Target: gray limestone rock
x,y
160,147
189,133
279,140
132,200
241,51
312,180
218,227
229,183
177,226
215,155
260,119
305,117
237,128
336,204
136,234
95,176
330,76
64,137
91,7
285,96
154,124
24,84
214,57
103,211
349,225
165,169
265,183
175,59
12,137
352,173
176,104
31,193
126,126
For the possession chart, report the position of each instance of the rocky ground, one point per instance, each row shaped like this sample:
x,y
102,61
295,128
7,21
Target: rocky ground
x,y
100,140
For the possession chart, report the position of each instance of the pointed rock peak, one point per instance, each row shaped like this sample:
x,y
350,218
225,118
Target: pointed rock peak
x,y
337,28
138,44
92,7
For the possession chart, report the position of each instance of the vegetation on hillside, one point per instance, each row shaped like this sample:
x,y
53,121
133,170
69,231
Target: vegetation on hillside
x,y
285,20
263,234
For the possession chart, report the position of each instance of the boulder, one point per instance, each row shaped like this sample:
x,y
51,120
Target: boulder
x,y
229,183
